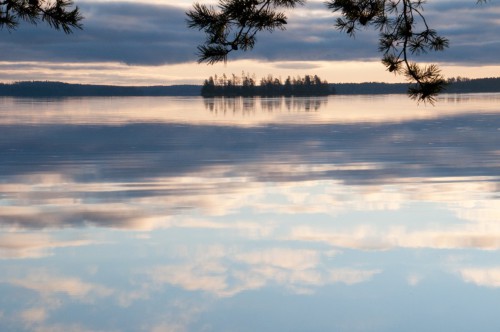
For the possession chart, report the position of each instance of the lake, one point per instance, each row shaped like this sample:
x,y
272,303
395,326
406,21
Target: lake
x,y
359,213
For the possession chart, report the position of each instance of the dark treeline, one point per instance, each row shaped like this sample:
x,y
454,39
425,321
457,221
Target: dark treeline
x,y
467,85
59,89
454,85
269,86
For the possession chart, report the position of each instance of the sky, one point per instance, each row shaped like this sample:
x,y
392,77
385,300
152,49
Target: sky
x,y
147,42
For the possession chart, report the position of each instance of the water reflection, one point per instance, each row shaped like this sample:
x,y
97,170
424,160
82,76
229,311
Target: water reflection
x,y
334,109
204,225
249,105
92,174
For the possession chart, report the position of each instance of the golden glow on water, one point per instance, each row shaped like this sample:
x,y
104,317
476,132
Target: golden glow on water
x,y
241,111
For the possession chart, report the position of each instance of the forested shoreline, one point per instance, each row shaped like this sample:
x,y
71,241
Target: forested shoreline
x,y
269,86
41,89
48,89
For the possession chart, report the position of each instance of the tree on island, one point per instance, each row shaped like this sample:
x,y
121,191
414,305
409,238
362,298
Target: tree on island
x,y
269,86
58,14
404,32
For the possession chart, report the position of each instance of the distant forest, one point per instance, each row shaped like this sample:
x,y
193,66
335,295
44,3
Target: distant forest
x,y
269,86
454,85
60,89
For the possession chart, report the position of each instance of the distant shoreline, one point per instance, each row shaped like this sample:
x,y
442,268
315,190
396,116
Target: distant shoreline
x,y
43,89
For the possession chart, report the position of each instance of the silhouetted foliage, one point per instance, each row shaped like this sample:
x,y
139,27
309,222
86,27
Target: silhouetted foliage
x,y
269,86
59,89
235,25
404,32
453,85
477,85
58,14
247,83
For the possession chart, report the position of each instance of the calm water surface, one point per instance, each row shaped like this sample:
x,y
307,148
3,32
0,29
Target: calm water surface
x,y
184,214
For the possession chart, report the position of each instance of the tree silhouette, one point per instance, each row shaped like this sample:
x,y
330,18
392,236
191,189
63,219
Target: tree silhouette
x,y
58,14
235,24
269,86
404,32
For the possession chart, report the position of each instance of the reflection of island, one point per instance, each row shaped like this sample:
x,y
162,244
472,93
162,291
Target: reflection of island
x,y
252,104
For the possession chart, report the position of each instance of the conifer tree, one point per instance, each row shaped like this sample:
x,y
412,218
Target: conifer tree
x,y
269,86
58,14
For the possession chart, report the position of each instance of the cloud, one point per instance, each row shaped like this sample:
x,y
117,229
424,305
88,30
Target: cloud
x,y
486,277
47,285
61,327
49,293
282,258
414,279
113,32
367,237
296,65
311,35
34,315
162,166
154,34
225,272
24,245
178,316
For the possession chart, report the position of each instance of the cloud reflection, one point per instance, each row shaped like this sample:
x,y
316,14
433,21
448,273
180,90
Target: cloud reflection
x,y
34,315
221,271
49,292
25,245
225,273
47,285
486,277
247,179
476,235
245,112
